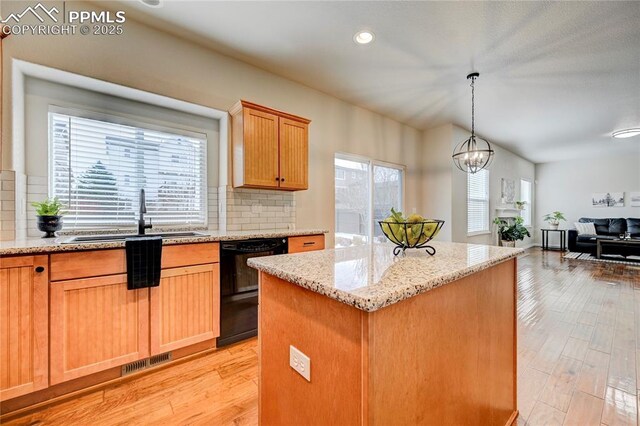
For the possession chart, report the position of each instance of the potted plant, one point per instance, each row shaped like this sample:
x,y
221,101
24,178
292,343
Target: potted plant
x,y
49,214
520,205
554,219
510,233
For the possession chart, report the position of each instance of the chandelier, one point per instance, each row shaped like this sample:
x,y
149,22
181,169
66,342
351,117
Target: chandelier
x,y
474,153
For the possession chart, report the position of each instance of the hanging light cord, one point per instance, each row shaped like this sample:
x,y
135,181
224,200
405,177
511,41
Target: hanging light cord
x,y
473,109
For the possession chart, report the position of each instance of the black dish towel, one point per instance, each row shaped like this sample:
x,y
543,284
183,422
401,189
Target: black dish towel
x,y
144,256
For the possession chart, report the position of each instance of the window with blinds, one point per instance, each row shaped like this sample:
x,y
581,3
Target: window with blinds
x,y
526,196
478,202
99,166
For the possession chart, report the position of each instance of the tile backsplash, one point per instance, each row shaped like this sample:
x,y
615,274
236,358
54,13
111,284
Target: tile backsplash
x,y
255,209
7,205
37,190
212,208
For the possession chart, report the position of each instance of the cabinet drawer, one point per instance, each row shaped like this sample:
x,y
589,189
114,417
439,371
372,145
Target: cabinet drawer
x,y
94,263
306,243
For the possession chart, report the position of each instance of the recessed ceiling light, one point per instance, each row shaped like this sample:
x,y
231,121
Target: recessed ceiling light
x,y
152,3
626,133
363,37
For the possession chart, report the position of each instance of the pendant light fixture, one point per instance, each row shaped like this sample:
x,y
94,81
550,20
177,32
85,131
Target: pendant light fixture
x,y
473,154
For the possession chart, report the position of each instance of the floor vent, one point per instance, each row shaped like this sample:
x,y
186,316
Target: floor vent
x,y
146,363
135,366
159,359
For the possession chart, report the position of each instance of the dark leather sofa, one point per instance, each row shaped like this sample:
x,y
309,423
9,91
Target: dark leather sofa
x,y
606,228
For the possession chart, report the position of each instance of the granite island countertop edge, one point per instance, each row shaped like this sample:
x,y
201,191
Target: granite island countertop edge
x,y
370,304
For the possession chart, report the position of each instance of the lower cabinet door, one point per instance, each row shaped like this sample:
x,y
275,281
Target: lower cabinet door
x,y
24,331
185,308
96,324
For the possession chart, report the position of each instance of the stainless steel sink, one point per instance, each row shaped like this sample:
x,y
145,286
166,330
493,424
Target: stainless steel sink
x,y
121,237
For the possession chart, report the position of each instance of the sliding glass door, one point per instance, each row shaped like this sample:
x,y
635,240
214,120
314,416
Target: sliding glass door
x,y
365,192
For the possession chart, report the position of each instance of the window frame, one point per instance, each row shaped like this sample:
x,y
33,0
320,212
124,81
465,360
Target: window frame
x,y
137,121
371,164
488,204
529,202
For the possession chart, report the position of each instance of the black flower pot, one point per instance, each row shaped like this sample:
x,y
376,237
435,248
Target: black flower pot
x,y
49,225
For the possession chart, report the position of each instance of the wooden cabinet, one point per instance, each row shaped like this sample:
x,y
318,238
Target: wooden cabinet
x,y
306,243
294,154
23,325
270,148
96,324
185,308
259,153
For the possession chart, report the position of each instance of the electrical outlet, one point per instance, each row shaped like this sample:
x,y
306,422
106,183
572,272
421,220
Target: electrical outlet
x,y
300,362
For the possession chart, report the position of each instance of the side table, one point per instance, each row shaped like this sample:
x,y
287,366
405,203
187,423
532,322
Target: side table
x,y
545,239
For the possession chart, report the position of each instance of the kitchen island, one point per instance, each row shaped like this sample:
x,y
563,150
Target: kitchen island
x,y
414,339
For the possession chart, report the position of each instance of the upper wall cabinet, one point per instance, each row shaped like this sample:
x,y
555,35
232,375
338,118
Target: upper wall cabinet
x,y
270,148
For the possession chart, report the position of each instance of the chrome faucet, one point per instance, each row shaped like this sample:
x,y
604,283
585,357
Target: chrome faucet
x,y
143,209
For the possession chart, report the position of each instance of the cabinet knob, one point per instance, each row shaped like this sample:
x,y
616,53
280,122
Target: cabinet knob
x,y
277,178
39,269
281,179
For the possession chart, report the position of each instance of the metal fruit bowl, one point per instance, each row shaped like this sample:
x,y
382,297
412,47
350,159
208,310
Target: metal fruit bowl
x,y
411,234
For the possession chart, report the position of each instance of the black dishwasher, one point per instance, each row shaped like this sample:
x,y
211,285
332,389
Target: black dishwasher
x,y
239,286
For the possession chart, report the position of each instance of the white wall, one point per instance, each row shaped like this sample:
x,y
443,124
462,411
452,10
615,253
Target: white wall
x,y
567,186
437,202
150,60
446,186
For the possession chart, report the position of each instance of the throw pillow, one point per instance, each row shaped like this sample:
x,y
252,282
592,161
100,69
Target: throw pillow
x,y
585,228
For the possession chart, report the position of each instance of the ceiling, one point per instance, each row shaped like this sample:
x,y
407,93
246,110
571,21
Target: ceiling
x,y
556,78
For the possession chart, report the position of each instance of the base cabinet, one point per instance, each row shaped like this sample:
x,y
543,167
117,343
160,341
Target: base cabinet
x,y
96,324
185,308
23,325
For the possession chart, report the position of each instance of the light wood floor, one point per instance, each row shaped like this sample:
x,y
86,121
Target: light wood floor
x,y
578,341
579,357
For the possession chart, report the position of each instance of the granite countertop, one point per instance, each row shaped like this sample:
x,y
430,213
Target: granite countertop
x,y
51,245
370,277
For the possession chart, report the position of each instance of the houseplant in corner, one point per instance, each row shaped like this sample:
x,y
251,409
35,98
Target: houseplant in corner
x,y
554,219
49,214
510,233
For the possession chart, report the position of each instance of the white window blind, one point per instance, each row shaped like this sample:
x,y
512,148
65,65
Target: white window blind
x,y
98,168
478,202
526,195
